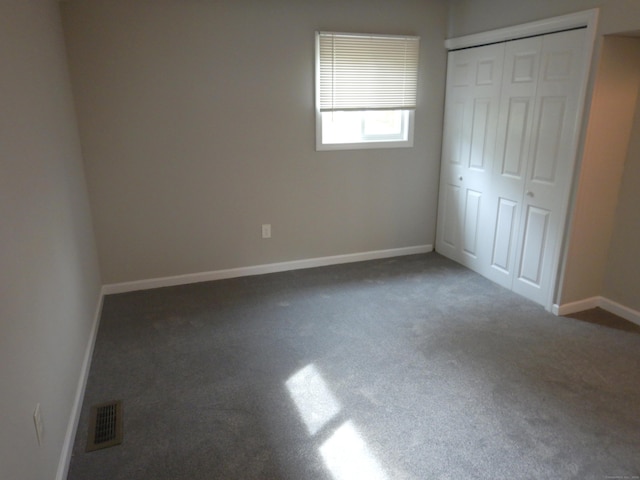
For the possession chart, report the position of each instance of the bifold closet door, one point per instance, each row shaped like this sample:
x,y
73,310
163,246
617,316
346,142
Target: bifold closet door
x,y
470,126
508,158
518,97
535,162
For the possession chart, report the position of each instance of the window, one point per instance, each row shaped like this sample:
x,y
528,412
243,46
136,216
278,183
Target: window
x,y
366,90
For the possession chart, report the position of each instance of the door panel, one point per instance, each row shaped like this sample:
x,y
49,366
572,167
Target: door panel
x,y
504,235
454,135
480,134
461,69
550,169
471,222
486,72
514,154
521,65
534,242
525,64
450,201
547,147
471,115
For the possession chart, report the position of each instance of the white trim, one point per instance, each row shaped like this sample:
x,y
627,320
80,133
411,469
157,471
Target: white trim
x,y
573,307
559,254
620,310
586,18
563,251
261,269
602,302
69,438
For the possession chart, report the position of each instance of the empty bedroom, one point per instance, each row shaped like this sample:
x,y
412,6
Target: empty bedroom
x,y
302,239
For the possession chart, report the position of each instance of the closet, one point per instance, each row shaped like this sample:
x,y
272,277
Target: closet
x,y
512,117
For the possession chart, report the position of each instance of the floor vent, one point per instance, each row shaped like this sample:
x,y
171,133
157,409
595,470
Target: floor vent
x,y
105,426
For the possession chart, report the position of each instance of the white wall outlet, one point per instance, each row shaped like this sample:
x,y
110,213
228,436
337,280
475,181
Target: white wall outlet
x,y
37,420
266,230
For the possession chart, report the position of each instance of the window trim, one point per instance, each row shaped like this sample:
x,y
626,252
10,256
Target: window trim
x,y
364,143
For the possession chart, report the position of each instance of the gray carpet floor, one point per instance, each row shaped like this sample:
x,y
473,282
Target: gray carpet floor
x,y
405,368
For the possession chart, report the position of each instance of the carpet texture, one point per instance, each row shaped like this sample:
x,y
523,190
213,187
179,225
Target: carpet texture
x,y
405,368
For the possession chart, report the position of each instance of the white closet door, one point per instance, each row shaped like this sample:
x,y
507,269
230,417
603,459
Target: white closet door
x,y
473,94
510,136
550,165
519,82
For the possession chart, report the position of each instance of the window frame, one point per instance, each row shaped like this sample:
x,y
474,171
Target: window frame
x,y
363,142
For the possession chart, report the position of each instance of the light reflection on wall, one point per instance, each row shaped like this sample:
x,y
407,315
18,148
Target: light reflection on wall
x,y
345,453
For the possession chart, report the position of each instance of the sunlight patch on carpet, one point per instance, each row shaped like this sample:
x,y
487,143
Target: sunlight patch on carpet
x,y
315,402
348,457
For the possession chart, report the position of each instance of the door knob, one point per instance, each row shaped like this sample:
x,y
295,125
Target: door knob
x,y
530,194
460,178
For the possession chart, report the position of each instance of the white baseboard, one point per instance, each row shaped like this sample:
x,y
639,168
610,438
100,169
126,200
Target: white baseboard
x,y
261,269
67,447
602,302
574,307
620,310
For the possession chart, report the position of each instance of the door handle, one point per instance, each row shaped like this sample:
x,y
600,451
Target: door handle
x,y
530,194
460,178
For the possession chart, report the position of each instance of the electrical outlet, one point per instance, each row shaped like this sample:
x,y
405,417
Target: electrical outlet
x,y
266,230
37,420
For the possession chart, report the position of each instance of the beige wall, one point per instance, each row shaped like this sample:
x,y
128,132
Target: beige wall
x,y
605,151
49,280
622,282
592,228
197,124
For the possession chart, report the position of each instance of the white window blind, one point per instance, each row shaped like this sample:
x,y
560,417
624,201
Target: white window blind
x,y
367,72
